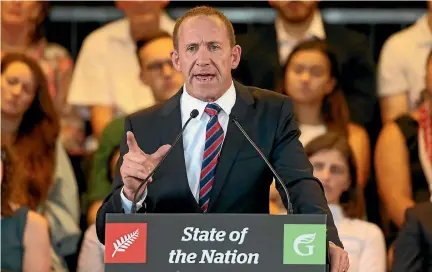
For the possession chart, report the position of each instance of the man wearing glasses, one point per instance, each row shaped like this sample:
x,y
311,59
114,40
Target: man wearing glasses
x,y
157,72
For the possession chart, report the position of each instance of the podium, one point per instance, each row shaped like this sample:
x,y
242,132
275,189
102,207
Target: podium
x,y
215,243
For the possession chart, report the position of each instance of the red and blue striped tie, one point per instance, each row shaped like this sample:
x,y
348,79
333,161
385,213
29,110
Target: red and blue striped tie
x,y
213,144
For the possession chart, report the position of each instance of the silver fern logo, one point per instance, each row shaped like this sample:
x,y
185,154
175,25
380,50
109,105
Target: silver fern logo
x,y
122,244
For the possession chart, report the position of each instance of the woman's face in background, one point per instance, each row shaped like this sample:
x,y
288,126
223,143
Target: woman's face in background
x,y
331,168
17,89
308,77
20,12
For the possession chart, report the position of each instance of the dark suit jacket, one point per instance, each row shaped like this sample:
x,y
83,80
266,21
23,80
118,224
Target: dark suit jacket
x,y
413,246
260,66
242,178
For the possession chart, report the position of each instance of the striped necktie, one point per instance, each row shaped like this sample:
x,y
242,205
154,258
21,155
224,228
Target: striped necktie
x,y
213,144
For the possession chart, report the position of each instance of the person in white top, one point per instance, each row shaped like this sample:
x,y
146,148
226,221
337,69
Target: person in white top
x,y
403,156
334,166
106,79
401,68
312,80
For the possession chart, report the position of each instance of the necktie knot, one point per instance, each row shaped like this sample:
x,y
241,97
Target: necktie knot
x,y
212,109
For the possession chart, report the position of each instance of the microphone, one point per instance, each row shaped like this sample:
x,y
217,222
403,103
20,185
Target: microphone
x,y
194,113
234,120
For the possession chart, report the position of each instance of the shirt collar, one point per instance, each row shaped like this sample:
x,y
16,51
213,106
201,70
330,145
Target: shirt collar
x,y
337,212
226,101
316,29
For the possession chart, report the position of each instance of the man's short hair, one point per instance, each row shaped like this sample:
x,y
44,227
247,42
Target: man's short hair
x,y
204,11
148,39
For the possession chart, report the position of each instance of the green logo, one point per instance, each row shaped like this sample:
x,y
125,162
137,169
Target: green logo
x,y
304,244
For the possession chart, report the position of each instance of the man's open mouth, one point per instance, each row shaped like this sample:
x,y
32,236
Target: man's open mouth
x,y
204,77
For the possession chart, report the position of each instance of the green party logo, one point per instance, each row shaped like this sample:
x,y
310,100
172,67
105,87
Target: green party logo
x,y
304,244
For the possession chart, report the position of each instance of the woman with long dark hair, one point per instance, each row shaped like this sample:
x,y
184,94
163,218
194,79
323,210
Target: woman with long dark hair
x,y
312,81
22,31
24,233
30,124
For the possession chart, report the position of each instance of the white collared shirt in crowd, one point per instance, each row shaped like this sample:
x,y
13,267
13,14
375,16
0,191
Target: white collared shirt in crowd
x,y
364,242
107,70
402,63
287,43
194,137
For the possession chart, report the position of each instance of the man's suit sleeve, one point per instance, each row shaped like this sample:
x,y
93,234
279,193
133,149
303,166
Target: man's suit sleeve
x,y
293,166
112,203
409,237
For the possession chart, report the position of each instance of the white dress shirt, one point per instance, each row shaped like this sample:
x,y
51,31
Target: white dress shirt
x,y
402,62
107,70
287,42
194,137
364,242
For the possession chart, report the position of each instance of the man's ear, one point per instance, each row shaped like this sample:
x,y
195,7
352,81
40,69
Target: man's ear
x,y
175,60
235,56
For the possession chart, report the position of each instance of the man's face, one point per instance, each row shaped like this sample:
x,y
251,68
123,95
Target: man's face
x,y
294,11
157,70
205,57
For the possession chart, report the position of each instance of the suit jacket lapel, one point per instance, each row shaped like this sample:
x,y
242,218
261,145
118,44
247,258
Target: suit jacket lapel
x,y
170,126
233,140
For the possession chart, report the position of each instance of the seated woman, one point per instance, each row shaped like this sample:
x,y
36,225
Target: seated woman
x,y
30,124
91,257
22,25
312,81
334,166
25,237
403,159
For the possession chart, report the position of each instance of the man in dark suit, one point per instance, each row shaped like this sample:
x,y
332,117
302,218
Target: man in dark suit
x,y
214,169
413,246
266,49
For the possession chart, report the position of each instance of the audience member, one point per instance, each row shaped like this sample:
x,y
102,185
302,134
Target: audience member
x,y
401,68
23,32
313,81
157,72
334,165
25,237
403,158
30,123
267,47
91,257
413,246
106,76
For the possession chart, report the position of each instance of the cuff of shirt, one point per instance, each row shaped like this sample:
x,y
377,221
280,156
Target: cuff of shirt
x,y
127,204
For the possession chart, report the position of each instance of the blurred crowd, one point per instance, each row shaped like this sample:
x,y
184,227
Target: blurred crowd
x,y
363,125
